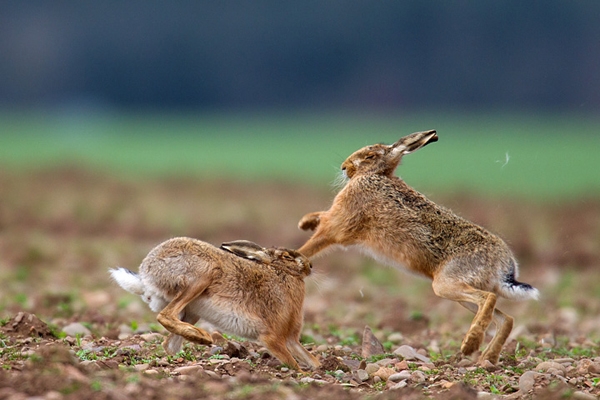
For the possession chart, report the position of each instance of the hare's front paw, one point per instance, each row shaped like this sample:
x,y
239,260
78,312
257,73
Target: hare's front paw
x,y
309,222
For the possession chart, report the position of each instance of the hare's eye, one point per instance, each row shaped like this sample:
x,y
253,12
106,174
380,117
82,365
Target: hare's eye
x,y
370,156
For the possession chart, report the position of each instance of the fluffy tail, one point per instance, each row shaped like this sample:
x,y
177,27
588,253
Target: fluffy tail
x,y
515,290
128,280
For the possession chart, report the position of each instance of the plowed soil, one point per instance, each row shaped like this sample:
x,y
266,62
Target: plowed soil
x,y
68,332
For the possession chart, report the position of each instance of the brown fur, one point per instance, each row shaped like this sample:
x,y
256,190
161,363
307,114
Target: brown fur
x,y
240,288
383,216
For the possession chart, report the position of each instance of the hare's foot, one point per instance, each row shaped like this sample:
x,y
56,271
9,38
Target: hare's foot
x,y
491,355
504,324
303,355
310,221
193,334
472,341
276,346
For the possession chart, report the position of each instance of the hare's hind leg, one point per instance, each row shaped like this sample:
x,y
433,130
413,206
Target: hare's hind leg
x,y
169,316
277,347
504,325
449,289
172,344
301,354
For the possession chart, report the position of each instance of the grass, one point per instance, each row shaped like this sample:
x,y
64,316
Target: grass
x,y
497,153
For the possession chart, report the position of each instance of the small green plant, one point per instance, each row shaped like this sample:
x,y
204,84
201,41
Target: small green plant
x,y
379,386
134,325
96,386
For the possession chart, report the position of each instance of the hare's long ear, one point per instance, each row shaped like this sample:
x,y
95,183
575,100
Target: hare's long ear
x,y
413,142
247,249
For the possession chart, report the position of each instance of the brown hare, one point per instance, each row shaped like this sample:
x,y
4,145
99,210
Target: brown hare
x,y
240,288
380,214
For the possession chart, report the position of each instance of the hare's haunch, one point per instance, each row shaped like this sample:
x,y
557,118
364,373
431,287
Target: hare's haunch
x,y
379,213
240,288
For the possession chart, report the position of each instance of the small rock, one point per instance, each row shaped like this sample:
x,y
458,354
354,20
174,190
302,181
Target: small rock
x,y
485,396
527,380
322,348
594,368
398,385
188,370
362,375
141,367
384,373
465,362
308,379
546,365
418,377
409,353
76,329
400,376
150,372
385,362
402,365
152,337
376,379
565,360
218,339
371,346
372,368
215,350
583,396
396,337
212,374
554,371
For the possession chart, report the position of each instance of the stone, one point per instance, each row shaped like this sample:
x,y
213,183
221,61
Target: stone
x,y
371,346
400,376
152,337
141,367
527,380
188,370
418,377
396,337
546,365
362,375
76,329
398,385
384,373
371,368
409,353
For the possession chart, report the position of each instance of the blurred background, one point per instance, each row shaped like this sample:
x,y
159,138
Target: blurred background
x,y
125,123
280,90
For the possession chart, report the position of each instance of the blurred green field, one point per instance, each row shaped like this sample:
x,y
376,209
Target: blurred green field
x,y
496,154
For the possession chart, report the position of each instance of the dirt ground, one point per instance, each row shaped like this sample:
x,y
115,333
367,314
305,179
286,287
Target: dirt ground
x,y
68,332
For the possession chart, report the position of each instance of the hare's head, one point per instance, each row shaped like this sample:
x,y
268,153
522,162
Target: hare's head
x,y
287,260
383,159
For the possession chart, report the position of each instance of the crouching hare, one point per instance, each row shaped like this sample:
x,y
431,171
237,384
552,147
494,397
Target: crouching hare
x,y
380,214
240,288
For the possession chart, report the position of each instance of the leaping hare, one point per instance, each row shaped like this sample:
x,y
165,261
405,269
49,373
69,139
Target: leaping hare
x,y
240,288
380,214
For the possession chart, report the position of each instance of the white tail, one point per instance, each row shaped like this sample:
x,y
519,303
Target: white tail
x,y
128,280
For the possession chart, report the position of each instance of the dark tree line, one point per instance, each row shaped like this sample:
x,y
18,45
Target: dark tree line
x,y
223,54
